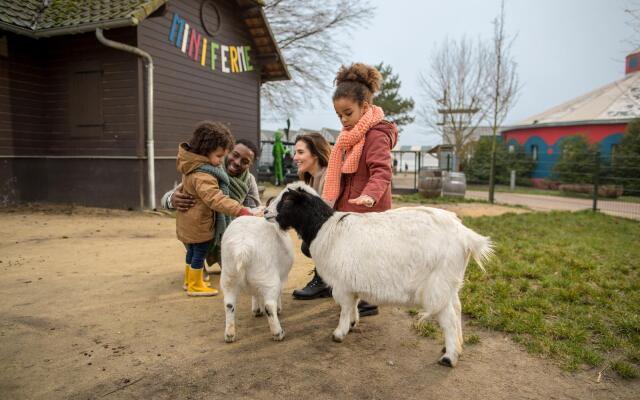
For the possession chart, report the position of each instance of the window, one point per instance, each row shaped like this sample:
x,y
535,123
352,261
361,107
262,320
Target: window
x,y
534,152
85,103
4,46
614,150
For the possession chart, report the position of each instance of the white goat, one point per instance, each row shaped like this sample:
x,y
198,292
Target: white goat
x,y
257,255
407,256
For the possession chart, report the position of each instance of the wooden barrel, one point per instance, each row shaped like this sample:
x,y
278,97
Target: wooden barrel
x,y
430,183
454,184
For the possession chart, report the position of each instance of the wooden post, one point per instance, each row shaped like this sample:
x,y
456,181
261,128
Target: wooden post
x,y
596,180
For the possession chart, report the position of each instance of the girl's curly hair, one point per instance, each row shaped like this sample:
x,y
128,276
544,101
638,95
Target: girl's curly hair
x,y
358,82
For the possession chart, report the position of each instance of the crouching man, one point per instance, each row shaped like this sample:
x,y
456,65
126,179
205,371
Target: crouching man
x,y
242,185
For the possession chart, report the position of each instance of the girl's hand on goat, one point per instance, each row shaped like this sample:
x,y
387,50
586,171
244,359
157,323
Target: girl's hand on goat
x,y
257,211
363,200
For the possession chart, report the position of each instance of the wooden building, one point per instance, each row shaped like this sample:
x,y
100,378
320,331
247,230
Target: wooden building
x,y
73,111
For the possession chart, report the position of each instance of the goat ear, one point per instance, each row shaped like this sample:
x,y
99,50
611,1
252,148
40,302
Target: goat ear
x,y
298,192
292,195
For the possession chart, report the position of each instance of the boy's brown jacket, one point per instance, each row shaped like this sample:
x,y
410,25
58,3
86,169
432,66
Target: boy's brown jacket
x,y
196,225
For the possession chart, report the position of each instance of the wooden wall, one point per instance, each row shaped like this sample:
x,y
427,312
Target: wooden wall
x,y
69,113
23,127
46,106
187,92
72,110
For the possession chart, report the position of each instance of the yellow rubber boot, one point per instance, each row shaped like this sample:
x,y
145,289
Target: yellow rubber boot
x,y
196,285
185,283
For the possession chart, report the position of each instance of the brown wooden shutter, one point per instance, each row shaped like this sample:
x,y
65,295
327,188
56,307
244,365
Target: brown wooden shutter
x,y
86,103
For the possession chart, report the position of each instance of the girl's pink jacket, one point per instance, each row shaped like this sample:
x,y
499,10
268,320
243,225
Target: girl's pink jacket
x,y
373,176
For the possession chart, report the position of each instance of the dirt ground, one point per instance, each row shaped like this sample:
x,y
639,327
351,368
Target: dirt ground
x,y
92,308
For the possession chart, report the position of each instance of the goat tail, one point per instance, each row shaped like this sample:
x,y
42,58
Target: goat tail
x,y
234,263
479,247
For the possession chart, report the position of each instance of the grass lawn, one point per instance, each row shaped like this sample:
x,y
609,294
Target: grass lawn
x,y
566,285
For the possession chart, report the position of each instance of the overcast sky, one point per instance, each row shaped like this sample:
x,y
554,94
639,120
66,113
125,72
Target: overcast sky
x,y
564,48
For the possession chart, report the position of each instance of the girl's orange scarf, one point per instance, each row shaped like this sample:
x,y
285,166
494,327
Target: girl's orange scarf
x,y
346,153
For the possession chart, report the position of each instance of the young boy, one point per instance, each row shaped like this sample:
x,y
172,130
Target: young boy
x,y
203,178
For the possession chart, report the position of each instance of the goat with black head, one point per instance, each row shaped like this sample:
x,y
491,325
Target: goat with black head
x,y
413,256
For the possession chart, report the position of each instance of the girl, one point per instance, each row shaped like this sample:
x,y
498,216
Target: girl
x,y
358,177
202,178
312,153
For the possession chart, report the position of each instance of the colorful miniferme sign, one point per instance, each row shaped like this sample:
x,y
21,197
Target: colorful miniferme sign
x,y
207,52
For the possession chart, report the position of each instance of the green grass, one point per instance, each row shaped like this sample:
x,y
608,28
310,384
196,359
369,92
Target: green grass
x,y
419,199
428,329
565,285
472,339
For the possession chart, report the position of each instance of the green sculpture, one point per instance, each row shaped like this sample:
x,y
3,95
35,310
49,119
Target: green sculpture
x,y
278,155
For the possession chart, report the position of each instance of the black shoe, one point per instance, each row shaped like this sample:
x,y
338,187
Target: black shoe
x,y
315,289
365,309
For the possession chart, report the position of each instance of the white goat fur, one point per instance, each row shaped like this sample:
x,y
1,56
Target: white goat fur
x,y
256,255
406,256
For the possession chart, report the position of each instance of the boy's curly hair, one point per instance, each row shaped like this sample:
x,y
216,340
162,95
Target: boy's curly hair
x,y
357,82
209,136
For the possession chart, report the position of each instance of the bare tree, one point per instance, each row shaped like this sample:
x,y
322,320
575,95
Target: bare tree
x,y
454,90
633,13
503,86
313,37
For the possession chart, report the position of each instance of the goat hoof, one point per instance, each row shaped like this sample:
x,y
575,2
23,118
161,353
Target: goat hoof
x,y
258,313
445,361
229,338
278,337
337,338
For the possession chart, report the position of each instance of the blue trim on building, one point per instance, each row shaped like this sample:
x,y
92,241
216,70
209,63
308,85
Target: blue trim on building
x,y
606,144
546,161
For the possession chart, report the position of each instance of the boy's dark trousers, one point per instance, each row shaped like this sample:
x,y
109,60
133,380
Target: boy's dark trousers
x,y
196,254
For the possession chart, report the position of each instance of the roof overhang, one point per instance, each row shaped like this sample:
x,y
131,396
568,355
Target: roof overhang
x,y
137,16
267,50
568,123
440,148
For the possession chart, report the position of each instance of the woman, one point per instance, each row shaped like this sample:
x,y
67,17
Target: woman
x,y
312,153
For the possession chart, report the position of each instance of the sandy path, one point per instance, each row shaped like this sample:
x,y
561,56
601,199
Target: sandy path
x,y
539,202
92,308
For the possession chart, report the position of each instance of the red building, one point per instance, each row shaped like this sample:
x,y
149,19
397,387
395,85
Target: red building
x,y
600,116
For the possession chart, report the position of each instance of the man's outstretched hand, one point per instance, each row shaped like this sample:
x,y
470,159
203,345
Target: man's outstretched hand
x,y
182,201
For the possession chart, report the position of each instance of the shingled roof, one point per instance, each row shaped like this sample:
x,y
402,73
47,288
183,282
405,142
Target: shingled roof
x,y
45,18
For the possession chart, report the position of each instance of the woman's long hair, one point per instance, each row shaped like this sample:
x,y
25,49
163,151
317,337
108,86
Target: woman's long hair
x,y
319,147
